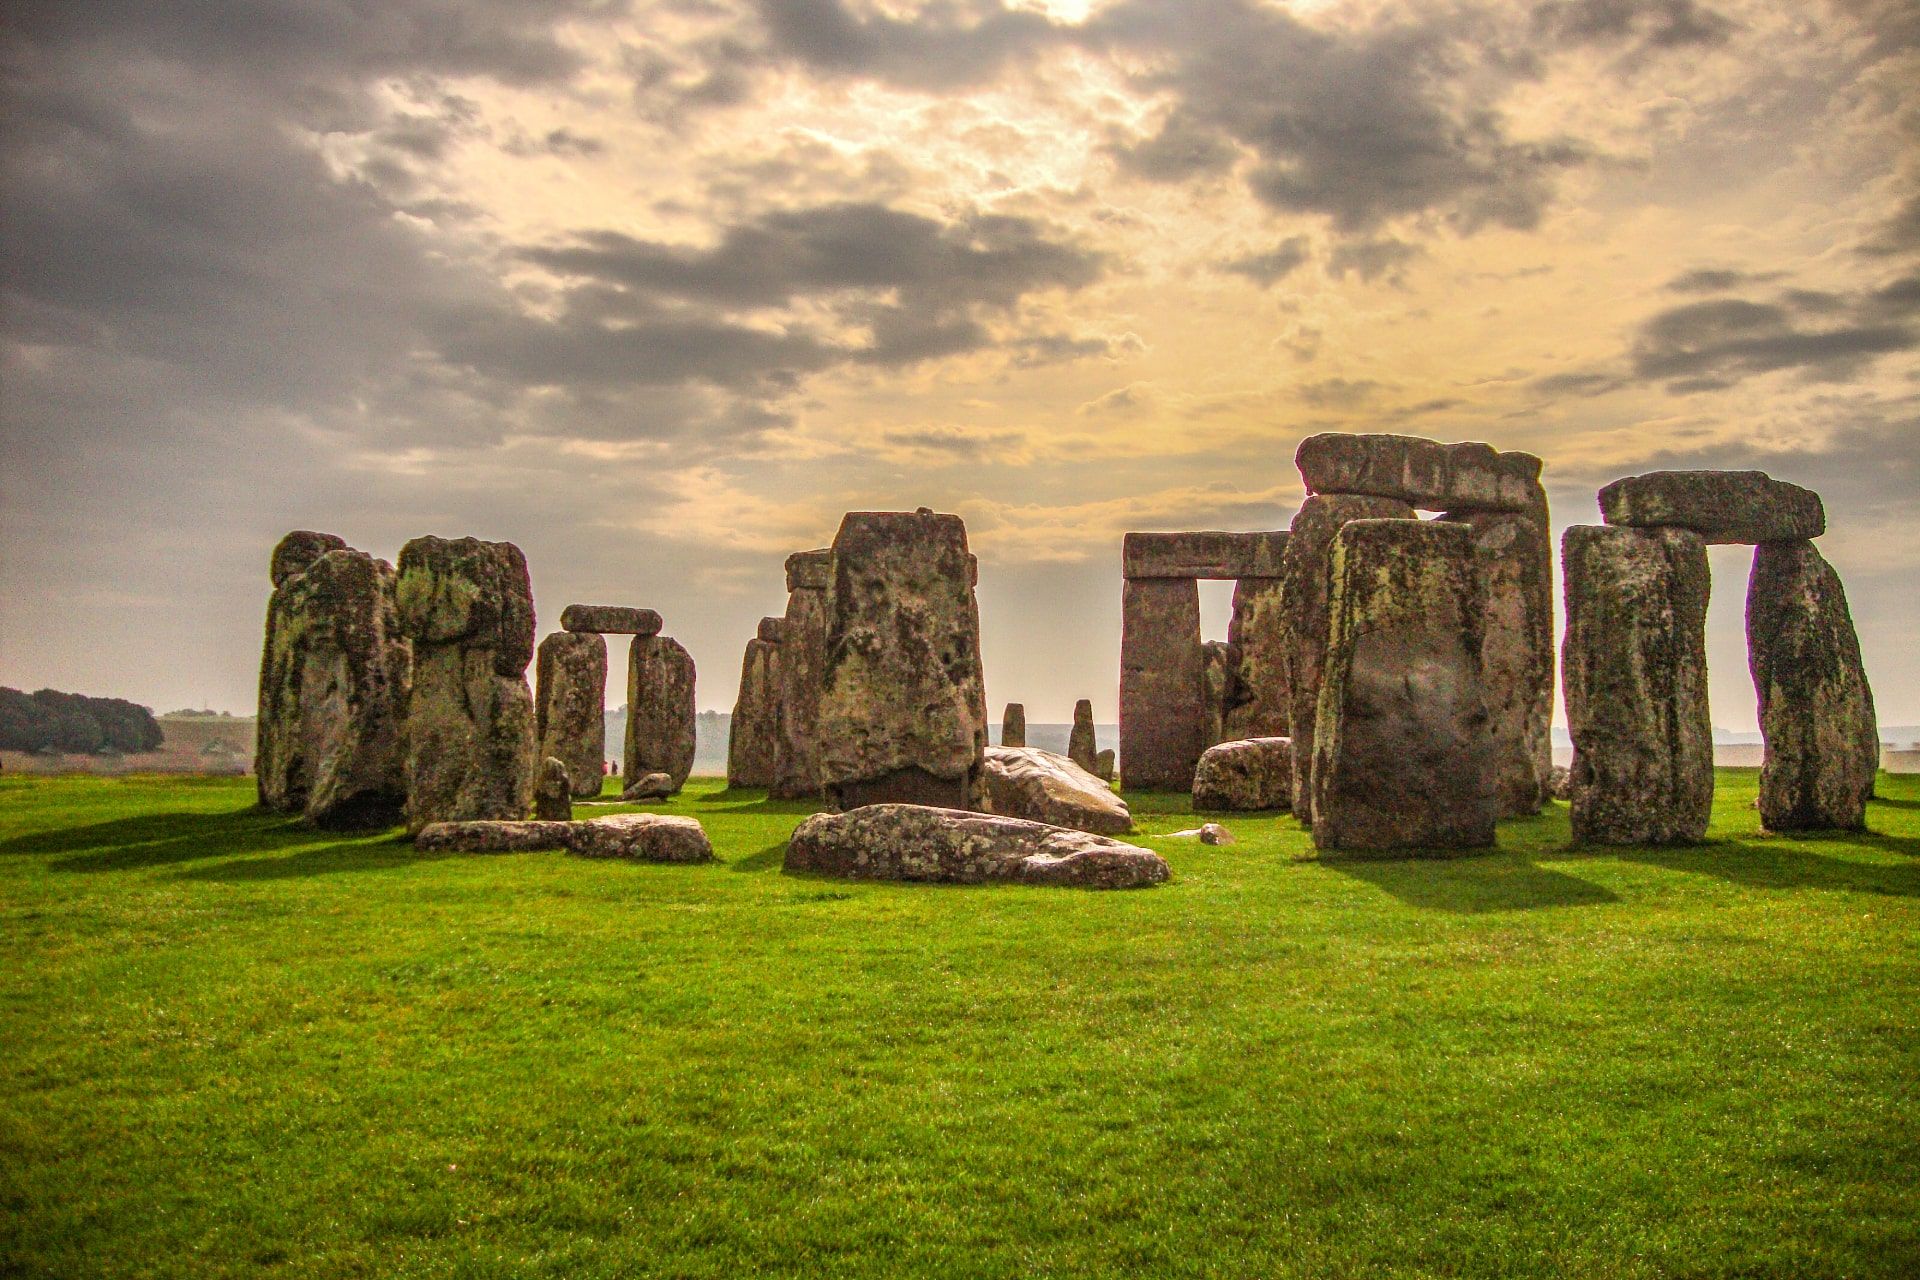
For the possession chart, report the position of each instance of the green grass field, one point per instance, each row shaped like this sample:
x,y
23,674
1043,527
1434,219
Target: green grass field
x,y
234,1047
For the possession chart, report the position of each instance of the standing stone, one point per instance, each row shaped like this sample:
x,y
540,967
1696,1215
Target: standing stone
x,y
1258,632
281,779
1402,756
660,709
1163,683
1221,667
1013,725
1720,506
903,710
1421,472
754,734
471,743
803,666
553,796
1081,746
1103,765
571,672
1304,592
1816,709
1634,665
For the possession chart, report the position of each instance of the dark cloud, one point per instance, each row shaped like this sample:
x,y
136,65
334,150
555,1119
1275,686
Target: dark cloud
x,y
1273,266
1660,24
1372,259
1708,345
1899,234
1716,280
945,45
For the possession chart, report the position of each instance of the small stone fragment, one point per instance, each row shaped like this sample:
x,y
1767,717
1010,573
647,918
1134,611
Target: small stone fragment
x,y
553,796
1720,506
1026,782
1421,472
1206,833
610,620
1249,775
1013,726
492,836
649,786
927,844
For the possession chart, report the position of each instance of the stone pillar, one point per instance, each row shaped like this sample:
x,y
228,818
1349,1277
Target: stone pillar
x,y
1082,748
1816,708
1013,725
803,666
1305,570
1402,755
1220,663
1258,630
1635,671
660,710
754,731
1163,693
571,679
282,776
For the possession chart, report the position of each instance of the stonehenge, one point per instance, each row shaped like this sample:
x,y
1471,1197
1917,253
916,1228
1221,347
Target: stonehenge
x,y
803,662
660,709
752,741
570,678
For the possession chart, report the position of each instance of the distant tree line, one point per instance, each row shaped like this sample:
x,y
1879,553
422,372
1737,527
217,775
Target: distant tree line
x,y
49,720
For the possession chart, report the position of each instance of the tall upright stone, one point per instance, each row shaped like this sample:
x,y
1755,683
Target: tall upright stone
x,y
1306,570
754,732
1082,748
803,668
1258,632
660,709
571,677
1221,665
1013,725
1402,752
281,776
1634,666
903,714
467,605
1163,683
1816,708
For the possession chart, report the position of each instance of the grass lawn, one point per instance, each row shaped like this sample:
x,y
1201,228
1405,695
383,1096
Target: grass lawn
x,y
234,1047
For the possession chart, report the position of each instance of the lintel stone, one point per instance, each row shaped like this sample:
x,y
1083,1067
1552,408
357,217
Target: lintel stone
x,y
1206,554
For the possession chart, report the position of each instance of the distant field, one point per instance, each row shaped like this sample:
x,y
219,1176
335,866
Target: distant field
x,y
236,1047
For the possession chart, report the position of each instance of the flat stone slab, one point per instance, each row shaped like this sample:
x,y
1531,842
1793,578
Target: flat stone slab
x,y
1040,786
610,620
1720,506
1245,776
492,836
1420,472
1206,554
951,846
638,837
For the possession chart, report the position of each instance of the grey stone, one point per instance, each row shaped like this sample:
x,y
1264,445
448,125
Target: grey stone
x,y
1248,775
754,734
1013,726
1082,748
1026,782
1205,833
1163,688
903,715
1720,506
1402,755
1420,472
1208,554
922,843
1103,765
1220,665
464,590
1634,664
772,630
1516,652
649,786
553,794
803,666
492,836
1560,782
294,554
660,709
571,670
641,837
810,570
1258,633
610,620
1816,708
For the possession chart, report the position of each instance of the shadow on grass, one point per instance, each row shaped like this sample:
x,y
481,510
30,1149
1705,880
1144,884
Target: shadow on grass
x,y
160,839
1892,803
377,852
1473,885
1780,863
771,858
753,800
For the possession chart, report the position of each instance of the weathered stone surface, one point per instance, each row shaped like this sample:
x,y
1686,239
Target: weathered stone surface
x,y
1402,754
649,786
466,590
772,630
1103,765
641,837
1081,745
1220,668
571,669
1205,833
610,620
922,843
754,737
1013,725
470,739
803,667
492,836
1560,782
553,794
1816,708
1251,774
1420,472
335,673
1306,573
1026,782
1516,651
903,713
810,570
660,709
1720,506
295,553
1208,554
1634,666
1258,633
1163,685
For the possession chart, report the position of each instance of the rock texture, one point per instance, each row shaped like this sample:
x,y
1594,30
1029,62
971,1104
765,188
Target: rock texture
x,y
1163,688
1634,666
649,786
1205,833
639,837
754,736
571,675
1209,554
803,666
492,836
1304,593
1516,652
1220,667
660,709
903,715
1251,774
1258,633
1025,782
609,620
295,553
1720,506
1816,708
553,794
1402,755
1013,726
1420,472
921,843
1103,767
1082,747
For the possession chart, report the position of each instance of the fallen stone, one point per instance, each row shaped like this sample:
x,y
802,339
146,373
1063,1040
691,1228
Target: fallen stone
x,y
1720,506
641,837
1205,833
1816,708
570,720
1081,749
1163,683
1201,555
1516,650
1013,726
660,709
492,836
950,846
753,735
1257,630
803,664
1249,775
649,786
1026,782
610,620
1421,472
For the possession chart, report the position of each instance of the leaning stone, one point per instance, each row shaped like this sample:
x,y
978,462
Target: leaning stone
x,y
610,620
1080,740
466,590
571,668
1258,633
1516,650
903,715
1201,555
1634,664
1720,506
641,837
1402,757
1420,472
1252,774
1013,726
649,786
294,554
492,836
950,846
1103,765
1816,708
1205,833
803,663
1163,683
660,709
1025,782
553,794
753,734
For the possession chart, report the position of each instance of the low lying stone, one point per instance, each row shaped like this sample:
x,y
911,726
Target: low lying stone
x,y
492,836
1205,833
649,786
1421,472
951,846
1243,776
1720,506
610,620
641,837
1026,782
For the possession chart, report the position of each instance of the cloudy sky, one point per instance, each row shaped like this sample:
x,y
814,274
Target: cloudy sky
x,y
658,288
